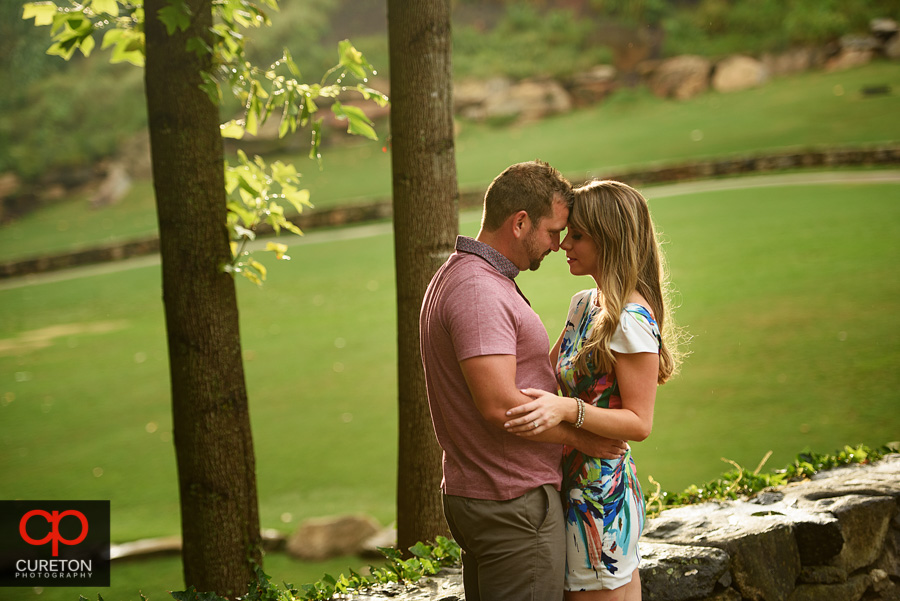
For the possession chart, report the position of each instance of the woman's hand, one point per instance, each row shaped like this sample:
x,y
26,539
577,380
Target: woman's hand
x,y
544,412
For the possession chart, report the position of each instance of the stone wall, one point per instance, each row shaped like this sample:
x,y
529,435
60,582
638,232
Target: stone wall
x,y
873,156
835,537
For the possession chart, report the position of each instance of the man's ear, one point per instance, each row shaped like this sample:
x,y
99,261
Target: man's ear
x,y
521,224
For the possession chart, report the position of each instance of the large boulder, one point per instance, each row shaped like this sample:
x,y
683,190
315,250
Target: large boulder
x,y
321,538
592,86
536,99
865,522
795,60
680,573
500,100
470,95
681,77
849,58
739,73
765,560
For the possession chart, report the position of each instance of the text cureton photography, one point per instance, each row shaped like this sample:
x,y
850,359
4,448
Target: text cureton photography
x,y
54,543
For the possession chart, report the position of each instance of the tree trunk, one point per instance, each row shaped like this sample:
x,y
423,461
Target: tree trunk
x,y
213,444
426,221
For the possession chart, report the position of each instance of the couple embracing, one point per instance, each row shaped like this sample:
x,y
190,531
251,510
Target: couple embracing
x,y
539,487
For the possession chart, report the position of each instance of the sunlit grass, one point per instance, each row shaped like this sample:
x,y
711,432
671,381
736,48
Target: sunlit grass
x,y
789,294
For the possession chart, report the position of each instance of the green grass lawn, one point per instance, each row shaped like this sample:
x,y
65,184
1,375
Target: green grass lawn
x,y
632,129
789,293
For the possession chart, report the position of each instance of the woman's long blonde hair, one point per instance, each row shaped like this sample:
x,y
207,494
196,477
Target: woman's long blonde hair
x,y
616,217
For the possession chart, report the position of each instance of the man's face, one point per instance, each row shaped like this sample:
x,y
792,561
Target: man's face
x,y
544,236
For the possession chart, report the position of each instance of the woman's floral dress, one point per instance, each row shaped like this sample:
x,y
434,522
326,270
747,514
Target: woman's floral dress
x,y
603,500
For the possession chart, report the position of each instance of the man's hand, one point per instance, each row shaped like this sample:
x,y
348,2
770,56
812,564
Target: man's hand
x,y
593,445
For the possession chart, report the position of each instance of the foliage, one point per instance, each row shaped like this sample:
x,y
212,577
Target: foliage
x,y
718,27
261,92
427,560
527,42
740,482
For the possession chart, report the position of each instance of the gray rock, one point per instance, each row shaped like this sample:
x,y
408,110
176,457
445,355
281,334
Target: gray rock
x,y
739,73
681,77
729,594
321,538
795,60
765,557
114,186
891,48
447,585
679,573
859,42
890,555
878,479
852,590
822,575
593,85
849,58
527,100
883,27
470,95
864,523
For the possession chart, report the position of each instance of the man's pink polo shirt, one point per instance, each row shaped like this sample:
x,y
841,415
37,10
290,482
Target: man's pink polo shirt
x,y
473,308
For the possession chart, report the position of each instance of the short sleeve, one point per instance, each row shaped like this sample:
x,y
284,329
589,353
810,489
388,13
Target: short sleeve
x,y
637,333
481,318
578,305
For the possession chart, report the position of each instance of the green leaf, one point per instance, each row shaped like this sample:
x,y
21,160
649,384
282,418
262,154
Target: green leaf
x,y
370,94
211,87
357,122
258,267
109,7
129,46
176,16
352,59
292,66
87,45
198,46
63,49
420,549
279,250
253,110
111,37
316,141
232,129
41,12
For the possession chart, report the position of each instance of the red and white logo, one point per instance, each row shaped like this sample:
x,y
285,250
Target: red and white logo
x,y
54,537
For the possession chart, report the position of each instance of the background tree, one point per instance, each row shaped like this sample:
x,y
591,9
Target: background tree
x,y
207,213
426,221
211,419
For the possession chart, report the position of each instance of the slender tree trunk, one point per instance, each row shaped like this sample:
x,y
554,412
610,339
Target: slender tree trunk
x,y
425,225
213,445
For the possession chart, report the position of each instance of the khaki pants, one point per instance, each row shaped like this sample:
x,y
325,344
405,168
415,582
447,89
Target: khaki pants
x,y
512,550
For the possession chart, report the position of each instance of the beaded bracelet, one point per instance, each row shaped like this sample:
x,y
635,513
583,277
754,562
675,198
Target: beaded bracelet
x,y
579,421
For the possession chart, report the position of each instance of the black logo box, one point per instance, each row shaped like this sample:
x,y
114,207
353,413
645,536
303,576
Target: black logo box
x,y
29,560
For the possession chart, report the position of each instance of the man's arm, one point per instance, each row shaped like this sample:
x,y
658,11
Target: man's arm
x,y
492,381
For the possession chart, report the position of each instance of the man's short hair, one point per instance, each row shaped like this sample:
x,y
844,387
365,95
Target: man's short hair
x,y
531,187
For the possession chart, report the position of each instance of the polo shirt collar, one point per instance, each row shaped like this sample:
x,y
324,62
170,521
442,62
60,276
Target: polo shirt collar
x,y
489,254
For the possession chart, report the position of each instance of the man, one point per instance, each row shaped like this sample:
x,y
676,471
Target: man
x,y
481,344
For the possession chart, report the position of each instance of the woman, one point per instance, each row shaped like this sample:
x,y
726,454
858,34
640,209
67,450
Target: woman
x,y
614,350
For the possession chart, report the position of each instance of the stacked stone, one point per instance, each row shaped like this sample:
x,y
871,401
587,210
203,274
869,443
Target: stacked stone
x,y
834,537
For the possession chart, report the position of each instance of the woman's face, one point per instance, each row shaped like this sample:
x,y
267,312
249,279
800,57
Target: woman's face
x,y
581,253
